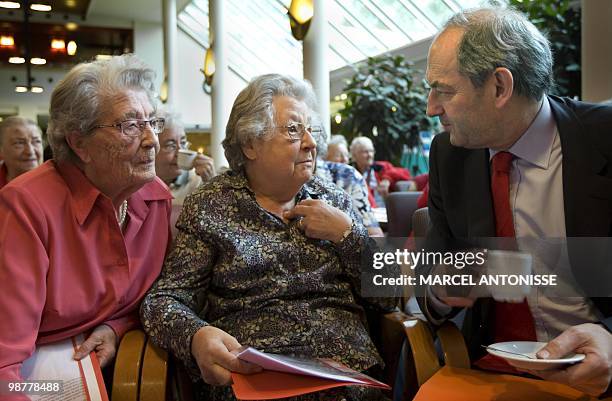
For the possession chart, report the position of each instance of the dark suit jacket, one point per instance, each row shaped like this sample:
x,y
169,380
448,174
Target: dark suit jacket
x,y
460,204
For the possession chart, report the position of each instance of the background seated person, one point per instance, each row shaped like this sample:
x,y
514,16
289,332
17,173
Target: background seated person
x,y
83,236
347,178
20,147
380,176
180,182
337,150
267,254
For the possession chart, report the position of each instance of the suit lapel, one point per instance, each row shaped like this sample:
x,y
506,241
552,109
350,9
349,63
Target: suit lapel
x,y
587,211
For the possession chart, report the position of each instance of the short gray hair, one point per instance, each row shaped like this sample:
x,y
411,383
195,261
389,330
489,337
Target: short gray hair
x,y
252,114
172,119
323,146
360,141
83,95
503,37
14,121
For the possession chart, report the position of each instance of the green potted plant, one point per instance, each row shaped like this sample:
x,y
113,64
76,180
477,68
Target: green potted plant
x,y
386,102
562,24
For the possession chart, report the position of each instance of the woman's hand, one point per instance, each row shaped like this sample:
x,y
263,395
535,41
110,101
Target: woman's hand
x,y
212,349
103,340
320,220
204,167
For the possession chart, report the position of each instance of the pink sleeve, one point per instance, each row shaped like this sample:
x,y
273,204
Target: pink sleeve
x,y
23,269
124,324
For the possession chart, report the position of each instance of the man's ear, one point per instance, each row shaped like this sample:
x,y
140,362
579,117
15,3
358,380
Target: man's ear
x,y
77,144
504,86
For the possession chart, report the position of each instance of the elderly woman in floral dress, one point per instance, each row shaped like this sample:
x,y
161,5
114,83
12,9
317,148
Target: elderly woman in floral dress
x,y
267,254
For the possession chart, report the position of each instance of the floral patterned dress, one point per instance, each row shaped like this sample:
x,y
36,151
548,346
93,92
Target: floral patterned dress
x,y
241,269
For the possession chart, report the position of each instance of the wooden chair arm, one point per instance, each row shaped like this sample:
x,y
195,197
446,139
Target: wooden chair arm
x,y
423,350
453,346
392,340
154,373
126,377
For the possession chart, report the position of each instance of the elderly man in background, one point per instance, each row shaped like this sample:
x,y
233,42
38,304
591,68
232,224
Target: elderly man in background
x,y
516,162
181,182
380,176
267,254
21,147
83,236
337,150
347,178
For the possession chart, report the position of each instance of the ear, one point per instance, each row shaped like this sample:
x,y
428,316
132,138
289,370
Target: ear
x,y
504,86
249,151
77,144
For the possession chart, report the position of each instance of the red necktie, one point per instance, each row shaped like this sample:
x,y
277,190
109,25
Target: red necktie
x,y
513,321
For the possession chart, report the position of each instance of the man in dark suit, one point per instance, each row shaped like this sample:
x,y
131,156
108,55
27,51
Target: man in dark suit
x,y
490,71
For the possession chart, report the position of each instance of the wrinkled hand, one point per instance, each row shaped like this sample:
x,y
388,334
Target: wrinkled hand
x,y
383,188
204,167
594,373
103,341
320,220
212,349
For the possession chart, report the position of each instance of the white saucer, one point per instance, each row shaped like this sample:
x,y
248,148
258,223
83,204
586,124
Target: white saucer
x,y
529,348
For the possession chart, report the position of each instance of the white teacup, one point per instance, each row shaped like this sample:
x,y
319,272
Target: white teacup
x,y
186,158
508,263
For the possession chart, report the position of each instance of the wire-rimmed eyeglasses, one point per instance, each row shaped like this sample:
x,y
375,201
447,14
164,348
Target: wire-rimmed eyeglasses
x,y
135,127
172,147
296,131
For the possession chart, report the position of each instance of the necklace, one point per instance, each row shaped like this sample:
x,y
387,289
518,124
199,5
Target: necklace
x,y
122,213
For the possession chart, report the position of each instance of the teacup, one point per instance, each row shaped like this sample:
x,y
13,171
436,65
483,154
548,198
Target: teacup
x,y
186,158
516,264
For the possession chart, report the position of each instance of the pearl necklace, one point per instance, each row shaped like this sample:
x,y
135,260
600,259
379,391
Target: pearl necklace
x,y
122,213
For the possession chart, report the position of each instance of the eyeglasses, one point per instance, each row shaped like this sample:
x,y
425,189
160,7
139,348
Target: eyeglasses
x,y
20,144
296,131
136,127
172,146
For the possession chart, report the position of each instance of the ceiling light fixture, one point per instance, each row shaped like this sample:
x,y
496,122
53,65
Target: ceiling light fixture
x,y
21,89
208,70
58,45
40,7
9,4
7,41
37,89
101,57
71,48
16,60
72,26
300,15
38,61
70,3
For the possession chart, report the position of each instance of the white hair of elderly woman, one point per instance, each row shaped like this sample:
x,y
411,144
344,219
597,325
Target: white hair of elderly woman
x,y
79,99
252,114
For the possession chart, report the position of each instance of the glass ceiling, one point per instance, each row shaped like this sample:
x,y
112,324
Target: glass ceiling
x,y
260,41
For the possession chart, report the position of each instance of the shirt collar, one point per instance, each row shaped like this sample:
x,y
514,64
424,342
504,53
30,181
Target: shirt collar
x,y
535,145
85,194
